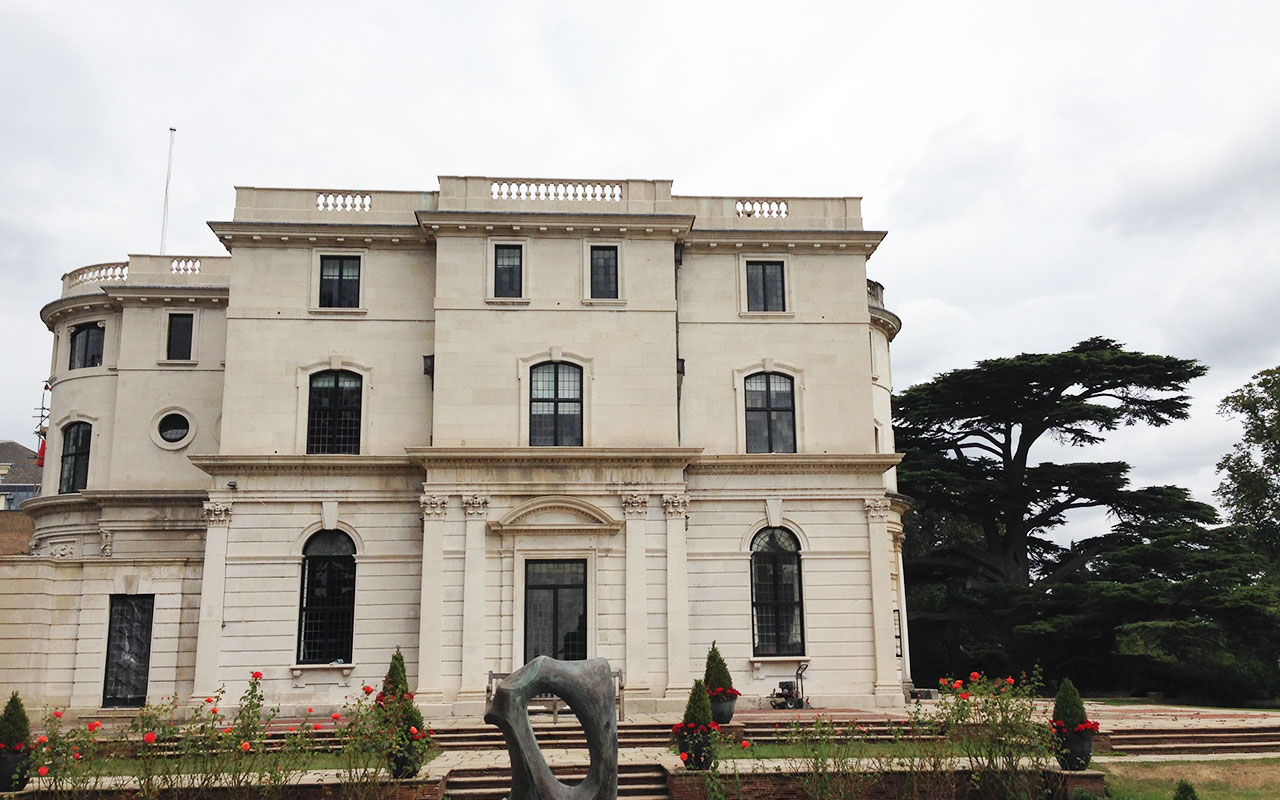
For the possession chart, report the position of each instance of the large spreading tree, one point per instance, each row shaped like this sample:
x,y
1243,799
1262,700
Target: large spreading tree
x,y
1250,488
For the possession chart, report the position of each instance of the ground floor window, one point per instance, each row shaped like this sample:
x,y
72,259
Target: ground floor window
x,y
128,650
555,609
326,620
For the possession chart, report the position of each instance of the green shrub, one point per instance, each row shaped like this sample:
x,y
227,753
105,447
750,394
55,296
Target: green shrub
x,y
698,709
1067,705
717,672
15,727
403,720
1185,791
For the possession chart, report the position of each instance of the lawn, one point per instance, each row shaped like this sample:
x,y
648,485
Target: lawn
x,y
1214,780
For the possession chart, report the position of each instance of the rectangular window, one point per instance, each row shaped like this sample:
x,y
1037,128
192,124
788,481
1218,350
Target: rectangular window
x,y
339,281
86,345
507,262
179,347
604,272
765,286
128,650
555,609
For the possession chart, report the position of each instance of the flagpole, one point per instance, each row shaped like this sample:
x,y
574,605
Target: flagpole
x,y
164,222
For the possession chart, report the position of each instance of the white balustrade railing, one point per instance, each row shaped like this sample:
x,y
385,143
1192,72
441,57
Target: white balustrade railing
x,y
98,273
547,190
762,208
340,201
185,266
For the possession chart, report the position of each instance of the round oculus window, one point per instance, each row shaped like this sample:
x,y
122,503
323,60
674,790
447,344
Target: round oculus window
x,y
174,427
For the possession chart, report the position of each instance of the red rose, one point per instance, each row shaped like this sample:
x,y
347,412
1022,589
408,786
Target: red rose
x,y
335,716
208,700
76,756
213,710
676,728
973,676
957,684
41,739
684,756
42,771
257,676
244,746
57,715
149,737
964,695
318,726
942,681
311,711
368,690
745,744
1009,680
292,729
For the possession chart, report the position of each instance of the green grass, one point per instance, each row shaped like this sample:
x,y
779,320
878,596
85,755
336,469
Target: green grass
x,y
795,751
1246,779
129,766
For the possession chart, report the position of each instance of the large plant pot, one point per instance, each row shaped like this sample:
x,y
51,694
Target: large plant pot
x,y
698,746
1075,749
13,771
722,709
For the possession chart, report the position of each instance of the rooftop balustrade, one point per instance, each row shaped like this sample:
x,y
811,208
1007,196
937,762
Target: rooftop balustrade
x,y
142,270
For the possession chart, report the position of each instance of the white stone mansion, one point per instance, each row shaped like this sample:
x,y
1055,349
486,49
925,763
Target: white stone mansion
x,y
502,419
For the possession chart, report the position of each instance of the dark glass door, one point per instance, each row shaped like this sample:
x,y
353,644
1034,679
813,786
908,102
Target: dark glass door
x,y
128,650
555,609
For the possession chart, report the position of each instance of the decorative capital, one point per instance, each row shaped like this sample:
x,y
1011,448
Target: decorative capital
x,y
475,505
877,509
217,513
675,504
899,536
635,505
433,505
108,538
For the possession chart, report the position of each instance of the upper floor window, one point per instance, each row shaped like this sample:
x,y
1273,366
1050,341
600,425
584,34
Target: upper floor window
x,y
555,405
75,457
333,413
178,347
604,272
339,281
508,260
326,619
771,413
766,286
86,345
777,606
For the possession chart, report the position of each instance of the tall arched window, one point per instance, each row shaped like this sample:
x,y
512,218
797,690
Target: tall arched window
x,y
326,620
777,606
555,405
333,413
75,457
771,413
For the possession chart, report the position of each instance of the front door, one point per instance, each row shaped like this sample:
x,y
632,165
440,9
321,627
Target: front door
x,y
555,609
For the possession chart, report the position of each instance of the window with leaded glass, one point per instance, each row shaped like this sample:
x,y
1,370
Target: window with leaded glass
x,y
555,609
604,272
128,650
74,475
178,347
326,619
765,286
86,345
555,405
508,261
777,607
771,413
339,281
333,414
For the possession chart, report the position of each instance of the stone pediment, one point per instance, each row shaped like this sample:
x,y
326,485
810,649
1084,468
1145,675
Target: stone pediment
x,y
554,514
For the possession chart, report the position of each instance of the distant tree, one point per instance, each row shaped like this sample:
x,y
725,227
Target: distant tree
x,y
1250,488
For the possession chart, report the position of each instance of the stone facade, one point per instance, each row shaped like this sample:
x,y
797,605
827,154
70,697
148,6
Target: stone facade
x,y
207,472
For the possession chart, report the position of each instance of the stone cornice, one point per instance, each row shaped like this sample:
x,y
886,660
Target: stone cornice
x,y
437,457
560,223
885,320
221,465
133,295
97,301
794,463
315,234
120,497
783,241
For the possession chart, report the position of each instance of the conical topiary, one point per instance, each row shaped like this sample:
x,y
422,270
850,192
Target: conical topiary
x,y
15,727
409,740
698,709
1067,705
717,672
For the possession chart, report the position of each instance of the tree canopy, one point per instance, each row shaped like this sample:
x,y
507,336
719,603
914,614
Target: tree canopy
x,y
1250,488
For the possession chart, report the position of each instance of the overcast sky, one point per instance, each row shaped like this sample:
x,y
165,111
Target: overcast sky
x,y
1046,172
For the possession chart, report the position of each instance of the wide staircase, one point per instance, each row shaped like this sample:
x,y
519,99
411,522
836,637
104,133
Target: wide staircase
x,y
635,782
1190,741
488,737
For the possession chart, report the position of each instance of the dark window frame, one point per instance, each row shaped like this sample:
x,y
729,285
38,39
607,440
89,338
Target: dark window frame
x,y
508,273
118,690
558,589
772,418
564,433
161,427
179,348
87,343
334,413
770,560
605,284
77,441
342,288
327,599
766,286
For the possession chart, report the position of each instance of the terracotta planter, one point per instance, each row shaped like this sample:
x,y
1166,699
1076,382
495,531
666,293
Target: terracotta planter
x,y
722,709
13,771
698,746
1075,749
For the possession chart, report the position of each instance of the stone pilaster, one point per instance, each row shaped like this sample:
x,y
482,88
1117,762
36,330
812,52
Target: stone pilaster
x,y
678,681
474,674
431,599
634,509
212,595
888,687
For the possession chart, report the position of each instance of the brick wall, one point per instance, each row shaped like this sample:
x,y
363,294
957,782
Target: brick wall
x,y
15,533
891,786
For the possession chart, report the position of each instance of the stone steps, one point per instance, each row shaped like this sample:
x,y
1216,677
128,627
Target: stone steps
x,y
1151,741
635,782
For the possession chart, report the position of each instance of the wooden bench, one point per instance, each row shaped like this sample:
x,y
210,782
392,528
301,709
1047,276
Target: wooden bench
x,y
552,703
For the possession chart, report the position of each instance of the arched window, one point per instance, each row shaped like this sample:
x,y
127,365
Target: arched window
x,y
326,620
777,606
333,413
555,405
771,413
75,457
